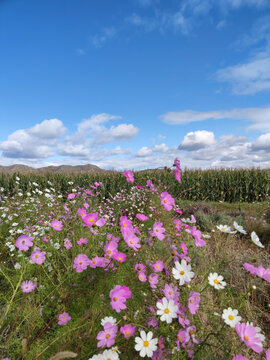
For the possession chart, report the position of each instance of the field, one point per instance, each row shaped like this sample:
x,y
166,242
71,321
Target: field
x,y
111,267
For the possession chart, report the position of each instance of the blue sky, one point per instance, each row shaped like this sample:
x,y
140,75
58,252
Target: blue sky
x,y
135,83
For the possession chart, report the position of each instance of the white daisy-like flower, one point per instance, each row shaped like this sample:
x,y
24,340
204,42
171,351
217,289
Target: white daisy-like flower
x,y
256,240
167,310
108,319
145,344
216,281
206,236
239,228
231,317
182,272
96,357
110,355
226,229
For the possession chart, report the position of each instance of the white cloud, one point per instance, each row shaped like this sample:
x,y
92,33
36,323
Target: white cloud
x,y
33,143
262,142
160,148
144,151
258,117
250,77
99,40
197,140
48,129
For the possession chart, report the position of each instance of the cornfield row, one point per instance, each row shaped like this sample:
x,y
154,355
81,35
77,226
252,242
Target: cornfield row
x,y
233,185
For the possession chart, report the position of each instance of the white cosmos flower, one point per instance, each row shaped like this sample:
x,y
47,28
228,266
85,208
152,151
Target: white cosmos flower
x,y
226,229
167,310
239,228
108,319
145,344
230,317
216,281
256,240
182,272
110,355
96,357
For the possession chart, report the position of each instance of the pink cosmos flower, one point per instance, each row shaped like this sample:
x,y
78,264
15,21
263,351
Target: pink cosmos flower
x,y
90,219
67,243
177,175
184,248
181,338
24,242
46,239
167,200
120,257
176,163
28,286
56,225
81,262
97,262
194,302
142,277
119,294
177,224
63,318
101,222
82,212
171,292
190,334
71,196
140,267
142,217
248,335
158,230
267,353
106,337
182,318
239,357
6,359
158,266
127,330
110,248
133,241
153,280
129,176
199,242
86,205
38,256
259,271
82,241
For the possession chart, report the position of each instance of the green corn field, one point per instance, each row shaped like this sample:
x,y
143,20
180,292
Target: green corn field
x,y
227,185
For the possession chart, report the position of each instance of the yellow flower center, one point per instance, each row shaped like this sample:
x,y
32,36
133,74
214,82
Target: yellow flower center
x,y
165,201
231,317
191,301
107,336
170,292
191,332
216,281
245,337
55,225
124,224
127,332
182,272
91,220
179,337
109,251
115,299
146,343
120,259
166,311
157,230
64,319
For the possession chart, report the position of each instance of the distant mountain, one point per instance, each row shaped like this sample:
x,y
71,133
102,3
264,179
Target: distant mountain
x,y
62,169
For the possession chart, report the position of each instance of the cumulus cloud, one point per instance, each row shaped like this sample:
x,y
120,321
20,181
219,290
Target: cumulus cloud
x,y
262,143
48,129
258,117
144,151
33,143
197,140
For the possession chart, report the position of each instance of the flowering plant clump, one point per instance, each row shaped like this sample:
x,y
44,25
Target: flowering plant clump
x,y
124,275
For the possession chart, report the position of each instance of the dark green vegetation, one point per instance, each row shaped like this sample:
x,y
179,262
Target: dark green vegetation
x,y
239,185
